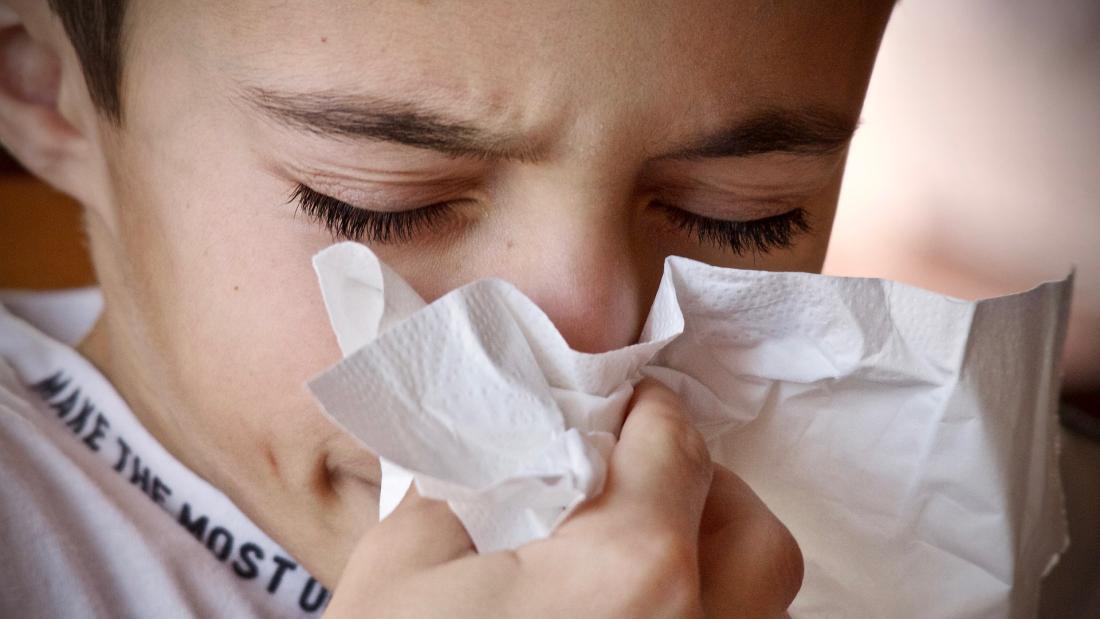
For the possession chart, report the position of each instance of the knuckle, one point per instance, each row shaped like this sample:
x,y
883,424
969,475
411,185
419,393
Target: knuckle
x,y
662,564
786,561
680,440
693,447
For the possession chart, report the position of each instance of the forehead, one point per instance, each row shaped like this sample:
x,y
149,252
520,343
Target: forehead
x,y
521,60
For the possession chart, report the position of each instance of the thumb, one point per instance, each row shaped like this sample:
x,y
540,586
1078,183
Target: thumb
x,y
751,564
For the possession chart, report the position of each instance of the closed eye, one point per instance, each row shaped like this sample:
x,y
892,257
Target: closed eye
x,y
345,221
756,236
342,220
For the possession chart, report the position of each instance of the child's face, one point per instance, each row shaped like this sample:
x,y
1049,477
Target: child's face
x,y
577,143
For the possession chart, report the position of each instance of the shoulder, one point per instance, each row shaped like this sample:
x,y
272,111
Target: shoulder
x,y
22,435
47,502
75,541
35,510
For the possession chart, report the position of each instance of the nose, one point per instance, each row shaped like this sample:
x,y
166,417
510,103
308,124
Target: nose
x,y
581,267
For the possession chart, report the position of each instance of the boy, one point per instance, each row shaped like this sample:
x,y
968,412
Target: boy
x,y
566,147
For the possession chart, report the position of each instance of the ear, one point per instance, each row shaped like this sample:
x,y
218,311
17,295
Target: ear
x,y
47,120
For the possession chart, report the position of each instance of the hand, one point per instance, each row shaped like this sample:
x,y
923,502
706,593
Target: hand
x,y
671,536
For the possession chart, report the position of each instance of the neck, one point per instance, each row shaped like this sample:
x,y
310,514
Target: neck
x,y
113,358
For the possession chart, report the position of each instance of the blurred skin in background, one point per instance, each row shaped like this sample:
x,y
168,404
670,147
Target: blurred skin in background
x,y
976,172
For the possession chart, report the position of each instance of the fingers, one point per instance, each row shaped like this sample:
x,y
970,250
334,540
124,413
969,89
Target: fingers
x,y
639,538
657,483
670,536
421,533
750,563
418,535
661,465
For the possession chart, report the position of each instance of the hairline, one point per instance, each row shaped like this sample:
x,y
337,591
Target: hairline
x,y
95,30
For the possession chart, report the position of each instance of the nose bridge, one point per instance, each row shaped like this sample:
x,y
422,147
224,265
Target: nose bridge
x,y
584,274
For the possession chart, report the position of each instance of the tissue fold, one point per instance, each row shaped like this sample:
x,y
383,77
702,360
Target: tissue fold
x,y
905,438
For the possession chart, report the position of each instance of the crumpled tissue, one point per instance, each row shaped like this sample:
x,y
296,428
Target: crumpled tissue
x,y
906,438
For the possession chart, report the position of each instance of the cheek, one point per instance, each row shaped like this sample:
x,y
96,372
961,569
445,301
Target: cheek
x,y
229,294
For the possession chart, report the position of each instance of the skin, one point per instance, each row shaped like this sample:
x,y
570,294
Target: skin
x,y
213,319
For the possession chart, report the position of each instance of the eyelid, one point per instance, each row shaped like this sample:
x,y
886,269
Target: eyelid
x,y
758,236
382,201
737,190
388,195
731,206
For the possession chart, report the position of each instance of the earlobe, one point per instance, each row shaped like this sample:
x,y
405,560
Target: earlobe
x,y
32,127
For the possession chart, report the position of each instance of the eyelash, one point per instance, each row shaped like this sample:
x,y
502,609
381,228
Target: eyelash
x,y
757,236
346,221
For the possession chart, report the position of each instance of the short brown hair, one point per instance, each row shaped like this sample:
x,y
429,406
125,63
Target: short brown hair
x,y
95,29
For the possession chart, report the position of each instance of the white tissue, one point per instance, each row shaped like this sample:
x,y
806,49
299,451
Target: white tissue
x,y
906,438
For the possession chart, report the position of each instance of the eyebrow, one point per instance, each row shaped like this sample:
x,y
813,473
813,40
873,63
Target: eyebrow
x,y
369,118
809,131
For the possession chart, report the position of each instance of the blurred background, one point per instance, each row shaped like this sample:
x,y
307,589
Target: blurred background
x,y
976,172
41,243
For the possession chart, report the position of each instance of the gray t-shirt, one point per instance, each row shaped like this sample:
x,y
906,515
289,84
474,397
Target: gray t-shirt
x,y
97,519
